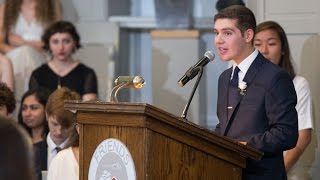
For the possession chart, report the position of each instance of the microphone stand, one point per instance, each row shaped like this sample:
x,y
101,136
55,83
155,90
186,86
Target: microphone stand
x,y
197,70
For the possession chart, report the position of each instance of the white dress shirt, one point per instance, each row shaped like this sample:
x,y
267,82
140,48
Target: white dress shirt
x,y
51,148
244,65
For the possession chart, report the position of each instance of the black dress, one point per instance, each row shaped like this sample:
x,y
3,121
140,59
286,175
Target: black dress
x,y
81,79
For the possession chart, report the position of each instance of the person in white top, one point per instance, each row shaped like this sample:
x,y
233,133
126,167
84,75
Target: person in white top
x,y
65,165
22,23
271,41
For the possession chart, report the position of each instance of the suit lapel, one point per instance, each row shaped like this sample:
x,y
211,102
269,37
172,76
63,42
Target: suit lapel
x,y
250,75
253,70
224,94
236,99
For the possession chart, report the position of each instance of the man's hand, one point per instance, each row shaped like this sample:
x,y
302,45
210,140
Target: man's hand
x,y
243,142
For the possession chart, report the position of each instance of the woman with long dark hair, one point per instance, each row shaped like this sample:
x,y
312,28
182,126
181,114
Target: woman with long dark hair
x,y
272,42
32,114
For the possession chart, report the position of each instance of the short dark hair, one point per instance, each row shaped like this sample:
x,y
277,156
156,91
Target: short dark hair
x,y
221,4
7,97
244,16
60,27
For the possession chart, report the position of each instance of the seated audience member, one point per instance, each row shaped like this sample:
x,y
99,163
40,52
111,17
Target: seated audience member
x,y
66,164
272,42
61,124
32,114
6,72
61,40
7,100
15,152
22,23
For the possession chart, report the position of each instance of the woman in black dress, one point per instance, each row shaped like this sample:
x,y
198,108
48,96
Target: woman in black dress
x,y
61,40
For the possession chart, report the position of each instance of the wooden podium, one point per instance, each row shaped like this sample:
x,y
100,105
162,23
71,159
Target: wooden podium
x,y
162,145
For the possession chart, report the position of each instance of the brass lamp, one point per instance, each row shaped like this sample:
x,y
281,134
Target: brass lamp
x,y
122,82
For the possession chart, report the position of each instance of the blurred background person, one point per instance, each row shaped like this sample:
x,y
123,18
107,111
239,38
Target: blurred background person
x,y
14,165
61,124
6,72
7,100
221,4
272,42
61,40
32,114
22,23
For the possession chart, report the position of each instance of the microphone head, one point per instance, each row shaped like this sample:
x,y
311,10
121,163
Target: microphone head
x,y
210,55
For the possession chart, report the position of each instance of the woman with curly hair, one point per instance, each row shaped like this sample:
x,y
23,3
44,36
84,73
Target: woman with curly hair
x,y
62,40
7,101
22,23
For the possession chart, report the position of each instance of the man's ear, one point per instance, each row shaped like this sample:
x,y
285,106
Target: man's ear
x,y
248,35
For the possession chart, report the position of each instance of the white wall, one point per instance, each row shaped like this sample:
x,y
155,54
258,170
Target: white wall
x,y
98,37
165,62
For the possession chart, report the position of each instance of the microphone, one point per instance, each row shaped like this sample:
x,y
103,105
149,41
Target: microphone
x,y
193,71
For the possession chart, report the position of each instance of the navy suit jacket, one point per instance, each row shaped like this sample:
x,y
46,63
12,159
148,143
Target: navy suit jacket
x,y
265,117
